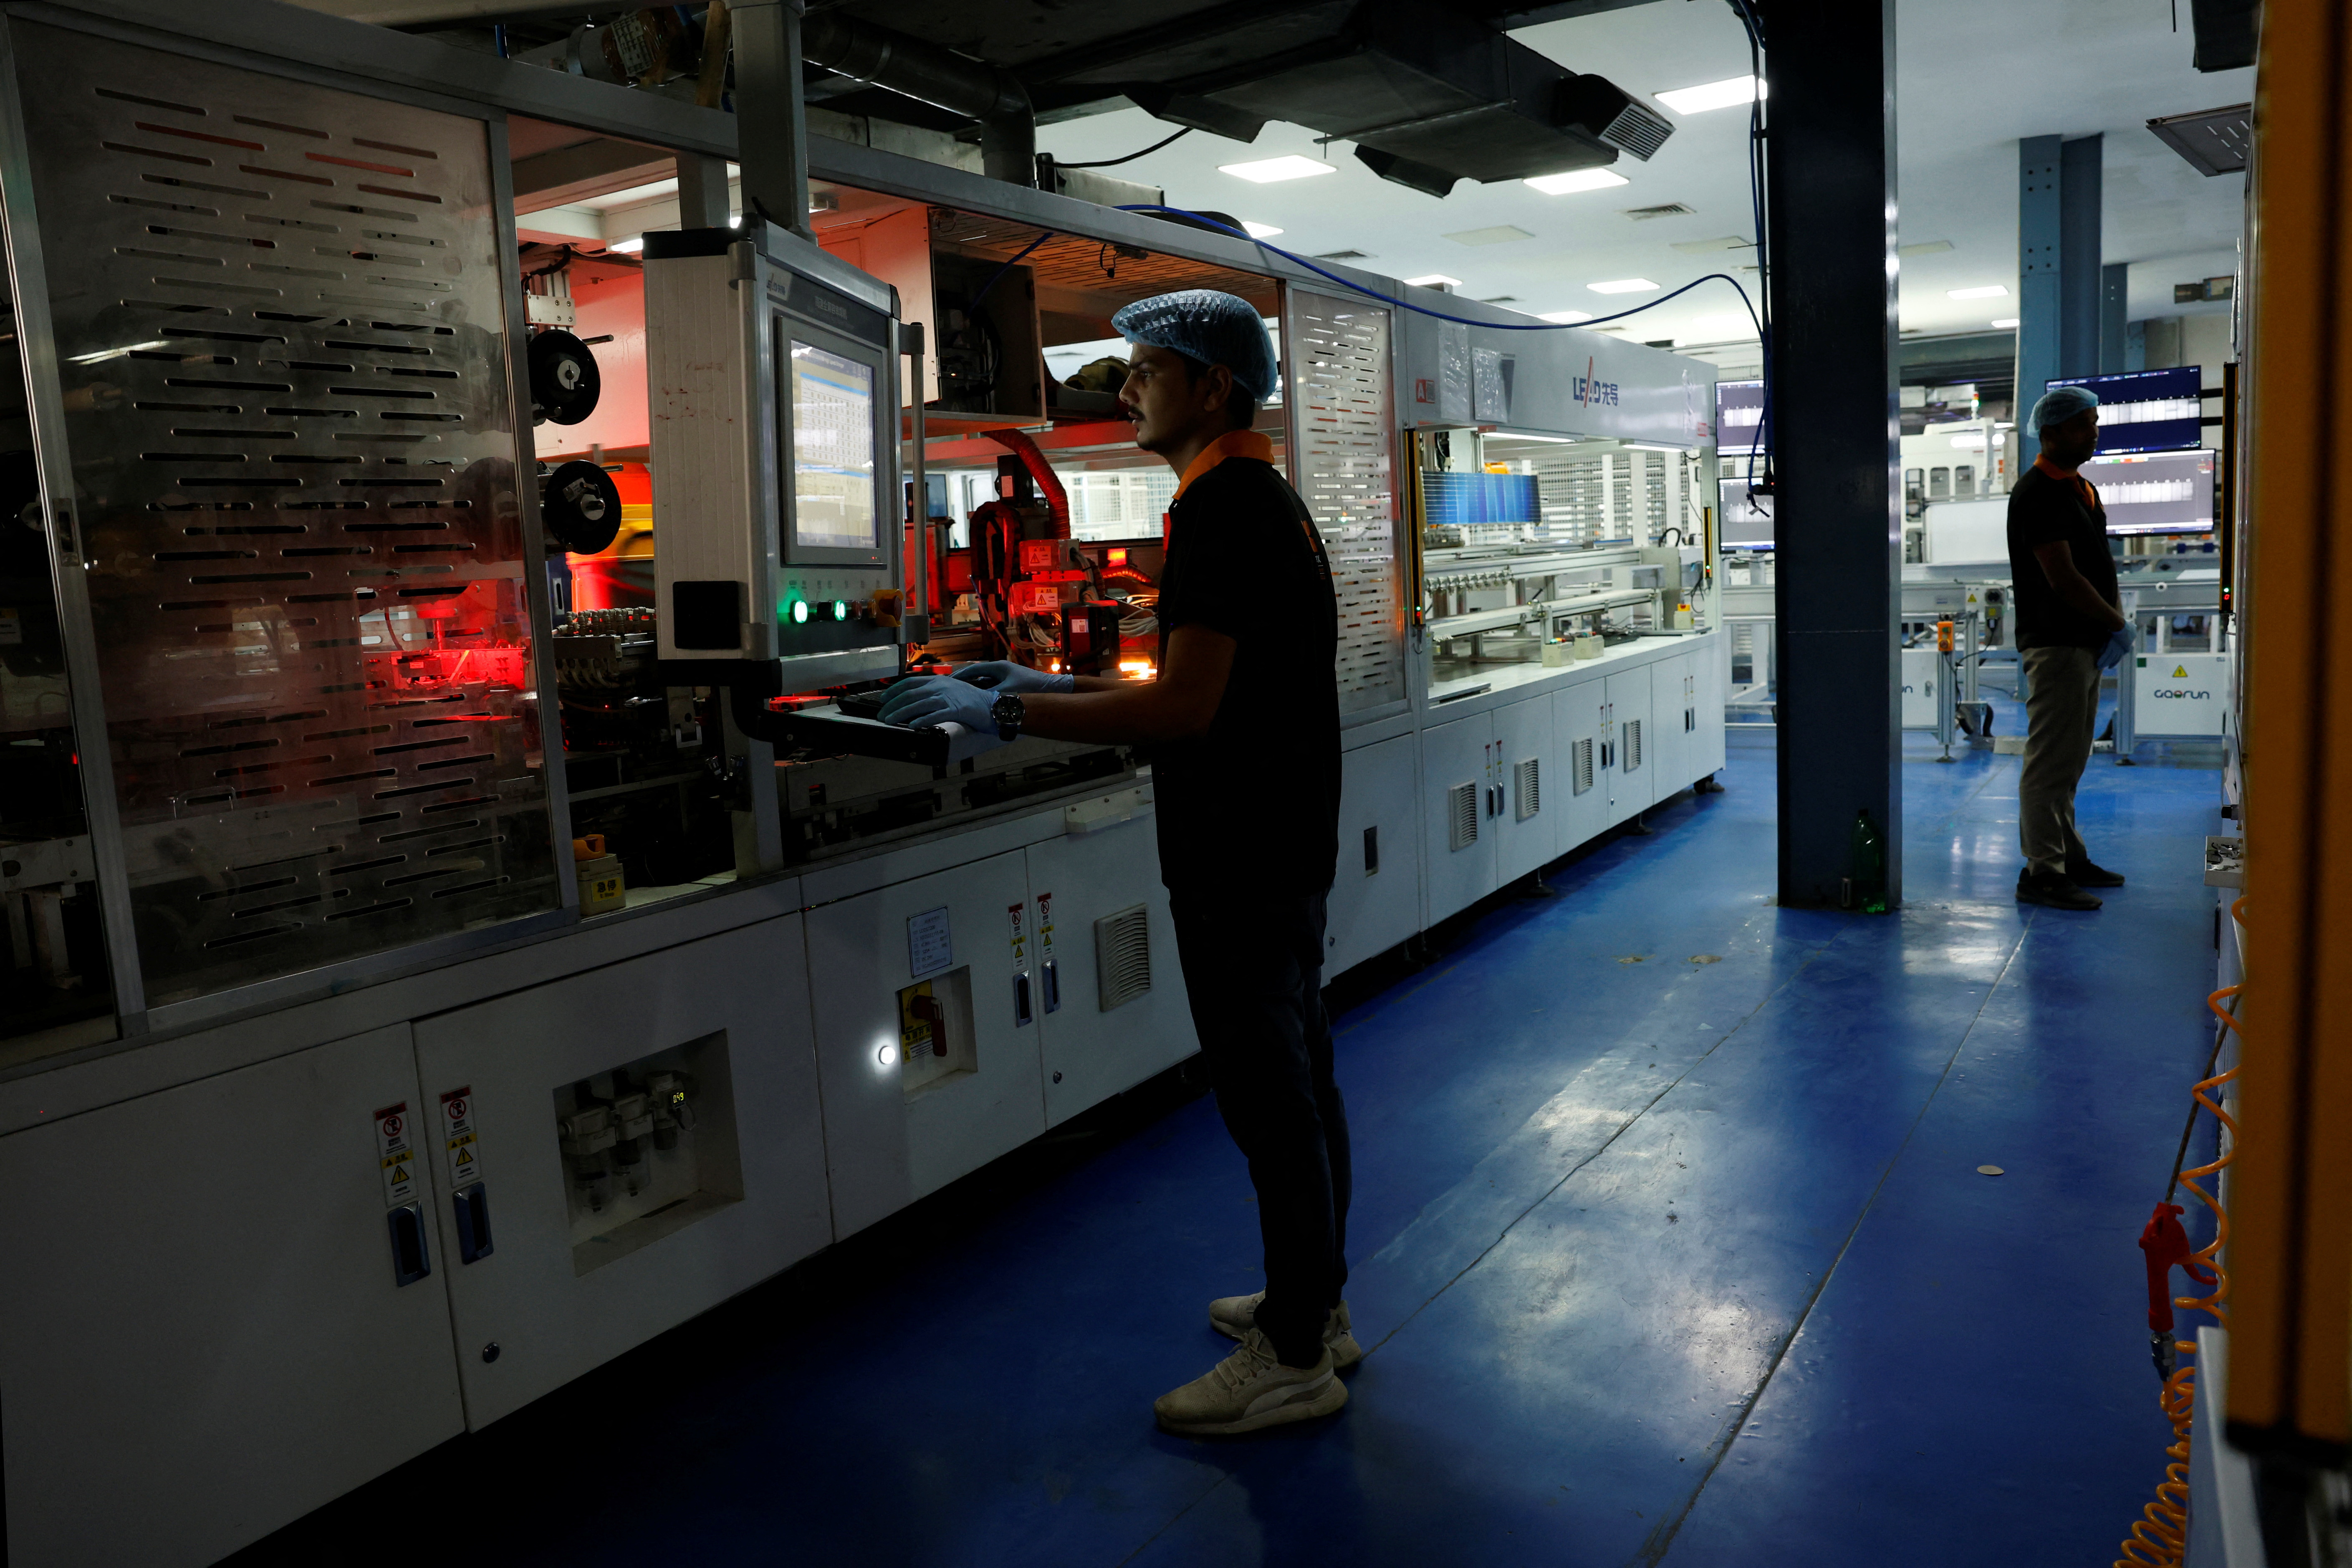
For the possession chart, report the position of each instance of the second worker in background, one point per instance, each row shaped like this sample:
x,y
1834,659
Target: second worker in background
x,y
1243,723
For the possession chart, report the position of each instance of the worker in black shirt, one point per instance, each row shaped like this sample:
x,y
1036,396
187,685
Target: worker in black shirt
x,y
1243,723
2069,629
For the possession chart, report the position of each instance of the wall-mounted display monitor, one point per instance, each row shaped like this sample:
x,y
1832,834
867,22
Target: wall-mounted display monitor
x,y
2156,492
2146,410
1747,524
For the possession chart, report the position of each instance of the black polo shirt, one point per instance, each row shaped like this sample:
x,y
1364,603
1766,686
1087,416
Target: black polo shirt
x,y
1252,805
2046,508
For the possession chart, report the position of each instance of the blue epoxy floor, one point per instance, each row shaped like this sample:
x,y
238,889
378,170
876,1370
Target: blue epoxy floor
x,y
1670,1246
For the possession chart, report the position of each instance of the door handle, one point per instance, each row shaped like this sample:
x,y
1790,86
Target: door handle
x,y
411,1260
1051,980
473,1211
1021,1000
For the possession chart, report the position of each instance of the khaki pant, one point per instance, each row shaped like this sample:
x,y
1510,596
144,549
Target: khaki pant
x,y
2062,706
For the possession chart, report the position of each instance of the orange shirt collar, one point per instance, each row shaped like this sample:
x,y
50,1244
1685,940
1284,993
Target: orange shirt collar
x,y
1231,444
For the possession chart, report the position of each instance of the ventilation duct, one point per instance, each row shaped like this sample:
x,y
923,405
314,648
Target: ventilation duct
x,y
940,78
1428,96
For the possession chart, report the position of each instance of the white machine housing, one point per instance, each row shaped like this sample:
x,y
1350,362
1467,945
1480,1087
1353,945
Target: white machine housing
x,y
772,374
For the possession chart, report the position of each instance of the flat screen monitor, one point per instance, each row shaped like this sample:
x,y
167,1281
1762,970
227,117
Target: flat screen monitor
x,y
833,450
1746,524
1739,416
2146,410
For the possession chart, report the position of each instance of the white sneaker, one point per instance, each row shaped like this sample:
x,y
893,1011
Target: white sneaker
x,y
1234,1316
1249,1389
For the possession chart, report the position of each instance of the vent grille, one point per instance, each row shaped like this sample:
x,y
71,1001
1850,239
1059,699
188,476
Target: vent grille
x,y
1527,788
1347,473
1462,816
1123,956
1632,744
1343,256
1582,771
1638,129
1667,209
314,637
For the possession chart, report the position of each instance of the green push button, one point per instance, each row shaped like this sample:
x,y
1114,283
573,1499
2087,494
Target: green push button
x,y
800,612
841,609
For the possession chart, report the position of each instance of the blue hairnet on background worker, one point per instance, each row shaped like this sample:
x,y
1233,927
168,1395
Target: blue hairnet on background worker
x,y
2070,629
1242,693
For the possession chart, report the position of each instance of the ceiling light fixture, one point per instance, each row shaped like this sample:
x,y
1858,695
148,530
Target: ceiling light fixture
x,y
1712,95
1267,171
1577,180
1623,286
629,246
1987,292
1564,318
1259,230
2006,324
1432,279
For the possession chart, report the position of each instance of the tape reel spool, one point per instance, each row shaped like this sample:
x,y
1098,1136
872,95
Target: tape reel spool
x,y
564,380
580,507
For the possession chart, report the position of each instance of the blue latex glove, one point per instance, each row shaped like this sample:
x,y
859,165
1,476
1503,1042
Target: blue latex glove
x,y
928,702
2118,644
1003,675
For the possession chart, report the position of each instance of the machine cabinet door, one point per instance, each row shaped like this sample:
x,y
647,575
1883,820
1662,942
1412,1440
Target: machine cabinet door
x,y
1459,778
202,1331
1708,687
1632,732
927,1033
1524,840
1376,892
1668,736
1109,990
1580,795
578,1270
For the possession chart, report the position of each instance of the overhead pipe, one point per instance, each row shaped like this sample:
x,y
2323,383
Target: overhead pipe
x,y
940,78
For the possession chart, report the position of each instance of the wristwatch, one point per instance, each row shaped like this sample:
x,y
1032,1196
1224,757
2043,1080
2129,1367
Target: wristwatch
x,y
1007,711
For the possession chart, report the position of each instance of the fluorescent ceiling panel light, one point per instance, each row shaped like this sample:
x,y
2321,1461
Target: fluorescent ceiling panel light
x,y
1986,291
2006,324
1712,95
636,244
1500,234
1924,247
1565,317
1431,280
1577,180
1623,286
1259,230
1266,171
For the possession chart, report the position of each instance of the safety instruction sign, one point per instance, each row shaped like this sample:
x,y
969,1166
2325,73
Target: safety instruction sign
x,y
929,945
395,1153
1046,928
1017,915
463,1150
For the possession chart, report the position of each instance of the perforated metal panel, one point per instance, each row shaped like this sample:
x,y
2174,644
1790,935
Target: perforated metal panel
x,y
1347,473
1580,773
1633,727
1462,816
1527,788
1123,956
280,321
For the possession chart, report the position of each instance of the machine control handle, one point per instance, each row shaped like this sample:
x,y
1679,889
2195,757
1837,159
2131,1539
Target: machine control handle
x,y
410,1259
1021,1014
473,1211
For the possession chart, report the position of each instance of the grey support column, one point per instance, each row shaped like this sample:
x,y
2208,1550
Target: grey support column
x,y
2038,306
702,200
1838,527
2115,309
771,115
2080,201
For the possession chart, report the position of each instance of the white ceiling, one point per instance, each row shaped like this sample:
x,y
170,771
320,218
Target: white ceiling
x,y
1972,79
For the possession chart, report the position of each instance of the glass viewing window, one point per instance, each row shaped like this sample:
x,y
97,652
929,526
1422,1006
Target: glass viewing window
x,y
833,450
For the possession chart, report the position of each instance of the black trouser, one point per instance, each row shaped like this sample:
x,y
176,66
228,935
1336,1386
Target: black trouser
x,y
1253,970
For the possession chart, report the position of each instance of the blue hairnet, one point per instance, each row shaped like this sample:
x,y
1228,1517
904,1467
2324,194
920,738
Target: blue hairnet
x,y
2061,403
1211,327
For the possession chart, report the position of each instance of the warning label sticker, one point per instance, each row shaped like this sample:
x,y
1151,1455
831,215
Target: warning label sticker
x,y
395,1153
1046,927
463,1150
1017,917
